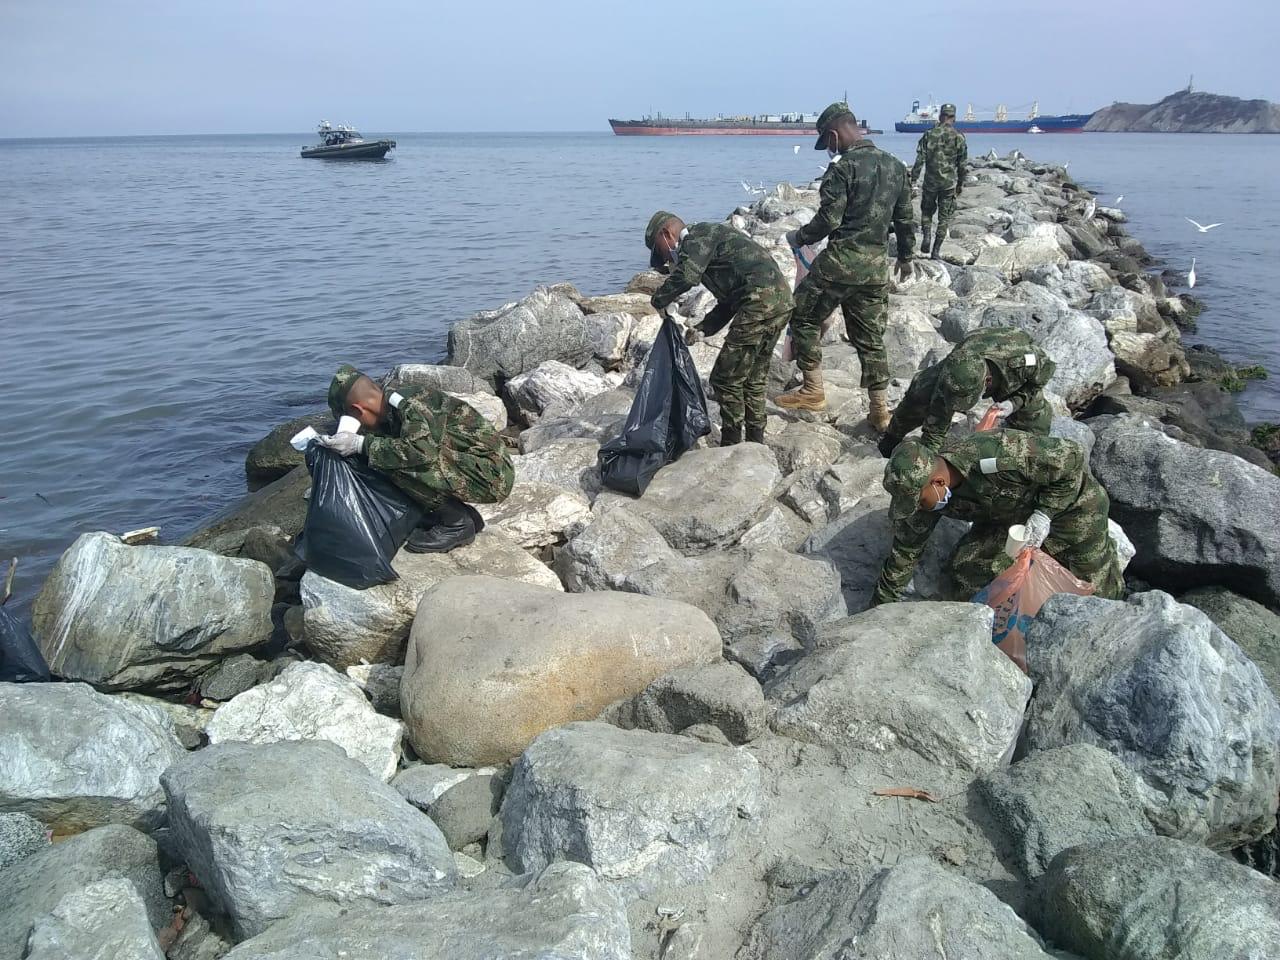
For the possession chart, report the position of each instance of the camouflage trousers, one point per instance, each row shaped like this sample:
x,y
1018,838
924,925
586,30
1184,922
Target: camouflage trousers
x,y
1078,539
865,307
1033,416
941,201
741,371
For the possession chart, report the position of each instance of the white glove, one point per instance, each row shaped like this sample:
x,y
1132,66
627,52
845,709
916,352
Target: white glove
x,y
1037,528
343,444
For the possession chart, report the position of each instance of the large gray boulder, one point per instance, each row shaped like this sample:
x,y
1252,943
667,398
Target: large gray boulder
x,y
493,663
1197,516
1154,898
500,344
917,677
1060,798
1015,258
122,617
551,383
1254,628
279,508
618,542
643,809
1076,342
105,920
537,514
312,701
597,418
20,837
35,886
74,758
273,456
562,913
570,464
1157,684
443,377
721,695
344,626
270,829
911,339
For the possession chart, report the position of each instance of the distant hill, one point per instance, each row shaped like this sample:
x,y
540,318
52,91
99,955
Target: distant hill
x,y
1185,112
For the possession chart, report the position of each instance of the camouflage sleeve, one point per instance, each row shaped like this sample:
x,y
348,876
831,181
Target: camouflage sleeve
x,y
904,221
833,196
909,537
921,150
695,254
414,452
962,157
1057,467
959,387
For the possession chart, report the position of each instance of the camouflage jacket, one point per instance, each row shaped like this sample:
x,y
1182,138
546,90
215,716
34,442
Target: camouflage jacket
x,y
997,362
942,153
1007,475
736,269
433,446
862,192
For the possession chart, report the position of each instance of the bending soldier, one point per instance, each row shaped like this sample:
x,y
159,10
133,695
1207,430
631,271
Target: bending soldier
x,y
942,153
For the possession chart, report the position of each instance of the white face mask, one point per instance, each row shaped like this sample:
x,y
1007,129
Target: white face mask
x,y
943,500
832,152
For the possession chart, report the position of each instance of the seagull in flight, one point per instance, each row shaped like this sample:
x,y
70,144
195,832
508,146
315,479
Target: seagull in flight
x,y
1203,228
1191,275
1118,199
754,191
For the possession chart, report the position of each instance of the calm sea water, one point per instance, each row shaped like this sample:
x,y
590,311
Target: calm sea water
x,y
165,301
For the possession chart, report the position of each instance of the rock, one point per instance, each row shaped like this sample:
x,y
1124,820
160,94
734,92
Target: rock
x,y
443,377
1254,628
492,663
636,304
1198,517
570,464
504,343
1060,798
279,506
1076,342
778,526
564,913
184,721
1123,311
642,809
344,626
20,837
272,456
1158,685
487,405
551,382
777,591
978,285
922,678
1021,255
122,617
911,340
464,811
707,498
312,701
36,885
270,829
609,333
597,418
105,920
1125,549
1152,898
233,676
1071,429
1148,361
537,514
720,694
424,783
381,685
616,543
74,758
799,444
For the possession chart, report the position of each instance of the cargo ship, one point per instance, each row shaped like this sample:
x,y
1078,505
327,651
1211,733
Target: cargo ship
x,y
921,119
764,125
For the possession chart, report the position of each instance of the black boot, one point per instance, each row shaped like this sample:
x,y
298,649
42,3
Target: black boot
x,y
925,232
729,435
755,434
453,524
937,246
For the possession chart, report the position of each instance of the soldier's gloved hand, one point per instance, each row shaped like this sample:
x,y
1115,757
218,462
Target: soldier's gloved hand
x,y
343,444
1037,528
790,237
692,335
887,444
904,270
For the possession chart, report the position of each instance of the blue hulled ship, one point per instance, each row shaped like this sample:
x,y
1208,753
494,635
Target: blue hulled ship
x,y
921,119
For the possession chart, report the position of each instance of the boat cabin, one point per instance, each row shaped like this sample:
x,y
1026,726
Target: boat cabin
x,y
332,136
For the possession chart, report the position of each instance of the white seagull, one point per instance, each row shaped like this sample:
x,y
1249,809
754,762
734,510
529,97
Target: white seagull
x,y
1089,209
754,191
795,148
1191,274
992,155
1201,227
1117,200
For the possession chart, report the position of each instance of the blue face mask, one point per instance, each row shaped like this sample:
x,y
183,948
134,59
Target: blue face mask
x,y
943,500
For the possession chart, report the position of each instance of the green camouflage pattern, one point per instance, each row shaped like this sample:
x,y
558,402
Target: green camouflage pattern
x,y
741,370
735,268
434,447
1000,363
339,387
941,153
865,307
654,225
1007,474
943,203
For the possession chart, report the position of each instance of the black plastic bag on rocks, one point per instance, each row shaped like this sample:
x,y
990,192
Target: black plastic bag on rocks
x,y
356,521
20,659
668,416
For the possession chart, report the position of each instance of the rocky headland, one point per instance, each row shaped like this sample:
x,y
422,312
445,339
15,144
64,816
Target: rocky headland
x,y
669,727
1188,112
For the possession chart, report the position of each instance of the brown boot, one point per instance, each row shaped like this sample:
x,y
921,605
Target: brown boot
x,y
810,396
878,416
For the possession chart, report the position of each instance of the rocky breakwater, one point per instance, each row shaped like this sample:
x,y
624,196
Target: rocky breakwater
x,y
667,726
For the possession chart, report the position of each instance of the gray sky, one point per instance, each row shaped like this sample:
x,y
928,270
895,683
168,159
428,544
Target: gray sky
x,y
101,67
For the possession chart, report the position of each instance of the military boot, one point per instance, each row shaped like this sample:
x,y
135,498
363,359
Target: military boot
x,y
878,414
810,396
925,233
755,434
451,525
937,246
730,434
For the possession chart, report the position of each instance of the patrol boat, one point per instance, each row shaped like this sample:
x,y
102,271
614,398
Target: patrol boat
x,y
345,143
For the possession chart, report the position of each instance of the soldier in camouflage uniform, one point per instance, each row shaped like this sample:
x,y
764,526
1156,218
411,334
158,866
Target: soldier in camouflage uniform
x,y
750,292
941,153
997,479
438,450
863,190
997,362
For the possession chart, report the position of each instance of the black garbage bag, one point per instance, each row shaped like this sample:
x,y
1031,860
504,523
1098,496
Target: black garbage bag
x,y
667,417
356,520
20,659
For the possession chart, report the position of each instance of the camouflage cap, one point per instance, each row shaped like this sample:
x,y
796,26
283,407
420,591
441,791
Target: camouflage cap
x,y
905,475
828,117
651,234
948,110
340,386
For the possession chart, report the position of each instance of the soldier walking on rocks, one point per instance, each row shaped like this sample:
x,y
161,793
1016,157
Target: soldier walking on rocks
x,y
438,450
1002,363
997,479
751,293
862,192
941,153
